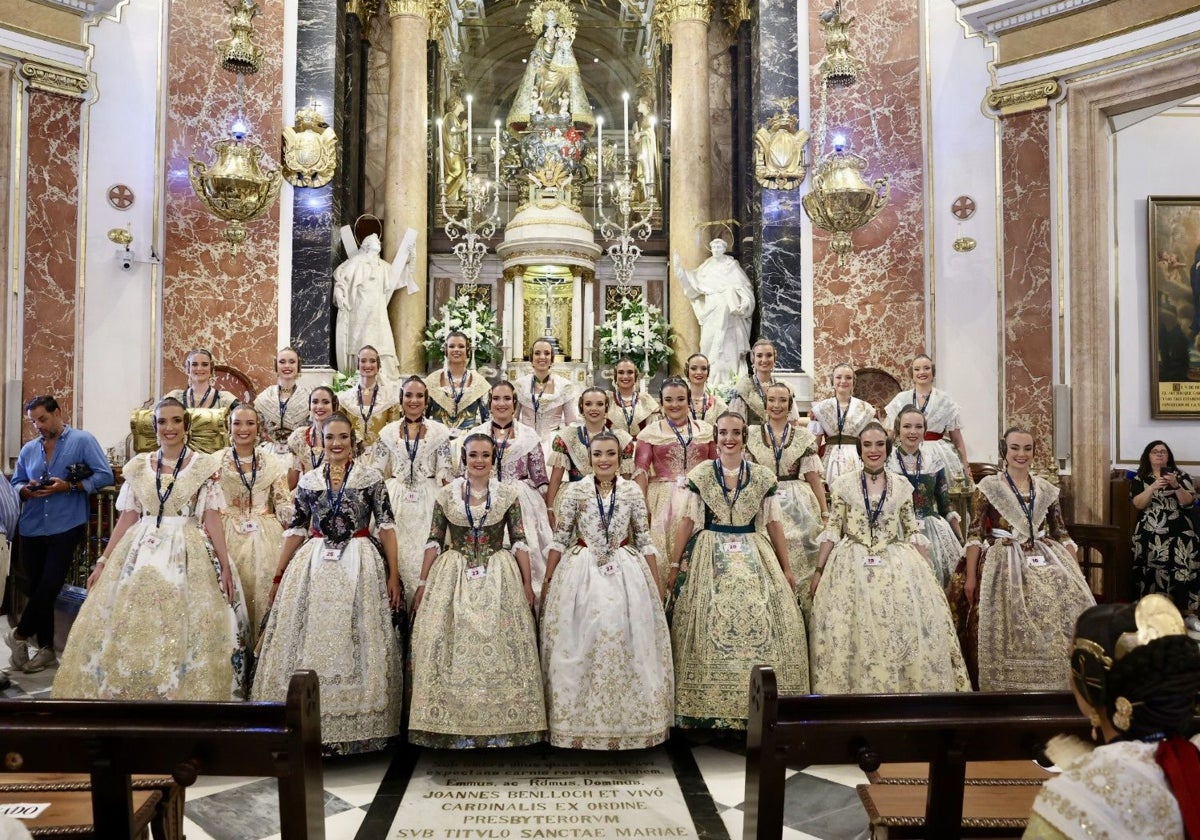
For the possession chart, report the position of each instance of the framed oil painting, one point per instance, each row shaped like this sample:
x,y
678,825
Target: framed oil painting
x,y
1174,280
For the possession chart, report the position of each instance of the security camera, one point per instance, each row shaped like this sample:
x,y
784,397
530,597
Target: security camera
x,y
126,261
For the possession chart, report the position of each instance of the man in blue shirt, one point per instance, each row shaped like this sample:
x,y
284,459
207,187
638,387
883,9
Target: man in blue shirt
x,y
56,472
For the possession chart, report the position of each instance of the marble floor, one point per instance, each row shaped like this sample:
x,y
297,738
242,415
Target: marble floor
x,y
692,787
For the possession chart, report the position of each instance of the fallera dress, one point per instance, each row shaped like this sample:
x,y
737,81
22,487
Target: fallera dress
x,y
631,416
546,413
331,614
841,430
931,503
369,410
1166,550
942,416
791,457
156,626
708,411
749,399
306,448
279,416
733,608
606,649
570,451
460,404
477,680
1030,590
881,623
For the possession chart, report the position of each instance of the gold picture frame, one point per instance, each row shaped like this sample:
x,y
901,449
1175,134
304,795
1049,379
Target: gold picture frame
x,y
1173,248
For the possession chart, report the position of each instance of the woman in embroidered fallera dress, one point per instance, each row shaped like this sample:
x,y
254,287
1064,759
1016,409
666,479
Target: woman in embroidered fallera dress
x,y
631,409
457,396
371,404
332,601
749,397
283,407
569,456
667,449
258,504
520,463
164,618
307,444
703,406
1135,675
837,423
546,400
204,402
477,680
1166,550
606,649
791,453
881,623
734,601
925,471
414,456
943,424
1018,591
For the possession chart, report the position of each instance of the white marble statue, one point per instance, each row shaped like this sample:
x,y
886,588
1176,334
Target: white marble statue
x,y
362,287
723,299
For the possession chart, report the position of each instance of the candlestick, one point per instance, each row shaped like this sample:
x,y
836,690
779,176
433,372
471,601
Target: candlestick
x,y
620,338
625,121
650,164
474,338
599,153
441,155
497,154
470,148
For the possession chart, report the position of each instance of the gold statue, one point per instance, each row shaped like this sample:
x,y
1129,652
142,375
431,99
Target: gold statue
x,y
454,148
551,87
648,160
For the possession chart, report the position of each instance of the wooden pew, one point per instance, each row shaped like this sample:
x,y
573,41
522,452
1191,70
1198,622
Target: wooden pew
x,y
943,730
111,740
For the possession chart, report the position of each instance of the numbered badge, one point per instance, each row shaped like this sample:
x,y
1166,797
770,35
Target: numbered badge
x,y
411,497
151,541
249,526
476,572
609,568
331,554
1035,560
873,560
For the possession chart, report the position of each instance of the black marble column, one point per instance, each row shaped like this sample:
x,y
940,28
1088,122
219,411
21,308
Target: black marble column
x,y
772,218
320,45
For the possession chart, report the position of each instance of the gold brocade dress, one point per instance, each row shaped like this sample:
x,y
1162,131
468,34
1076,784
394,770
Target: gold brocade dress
x,y
370,419
253,520
801,512
156,626
1018,637
749,400
631,417
733,607
881,623
476,676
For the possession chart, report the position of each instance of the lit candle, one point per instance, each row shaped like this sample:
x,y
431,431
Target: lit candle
x,y
441,155
497,154
625,120
599,153
469,147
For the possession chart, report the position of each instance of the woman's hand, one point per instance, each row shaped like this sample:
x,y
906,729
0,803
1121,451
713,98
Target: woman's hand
x,y
672,574
971,588
96,572
790,576
530,597
814,583
395,591
227,582
417,599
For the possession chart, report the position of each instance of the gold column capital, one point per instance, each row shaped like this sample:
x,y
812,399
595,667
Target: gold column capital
x,y
436,12
669,12
362,9
1023,97
57,80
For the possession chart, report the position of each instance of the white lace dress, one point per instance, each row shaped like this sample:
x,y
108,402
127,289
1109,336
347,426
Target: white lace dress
x,y
841,429
942,416
546,413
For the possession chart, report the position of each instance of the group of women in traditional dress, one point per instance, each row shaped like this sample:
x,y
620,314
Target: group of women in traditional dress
x,y
592,567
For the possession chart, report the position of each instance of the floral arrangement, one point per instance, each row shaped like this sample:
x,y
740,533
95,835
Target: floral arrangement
x,y
639,331
475,320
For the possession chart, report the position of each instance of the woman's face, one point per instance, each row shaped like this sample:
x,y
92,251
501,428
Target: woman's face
x,y
697,372
627,375
1159,456
368,364
456,350
199,367
912,429
779,403
413,400
501,404
764,360
594,407
170,425
1018,450
542,356
287,366
675,403
243,426
320,405
480,455
874,449
843,382
922,372
339,441
730,432
605,459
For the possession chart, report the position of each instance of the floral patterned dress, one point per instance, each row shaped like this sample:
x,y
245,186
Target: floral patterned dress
x,y
791,459
306,449
369,411
1030,590
606,649
931,503
332,614
709,410
631,416
280,416
1166,551
749,399
881,623
545,413
942,416
841,430
460,406
733,607
156,626
570,452
477,680
665,459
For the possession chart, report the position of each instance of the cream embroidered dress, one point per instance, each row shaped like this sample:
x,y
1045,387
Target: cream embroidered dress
x,y
369,410
942,416
570,451
258,504
1030,591
279,416
665,459
708,411
931,504
156,626
545,413
332,614
631,416
306,449
791,458
460,404
606,649
841,430
733,607
415,468
1116,791
881,623
749,399
477,681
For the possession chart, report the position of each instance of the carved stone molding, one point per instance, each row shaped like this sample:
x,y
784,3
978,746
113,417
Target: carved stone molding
x,y
668,12
87,8
994,17
54,80
437,12
1026,96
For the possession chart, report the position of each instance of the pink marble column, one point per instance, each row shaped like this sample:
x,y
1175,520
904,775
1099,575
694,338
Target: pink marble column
x,y
1028,321
211,298
51,248
871,311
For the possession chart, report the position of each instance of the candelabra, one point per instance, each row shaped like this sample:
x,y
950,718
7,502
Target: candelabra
x,y
480,204
628,221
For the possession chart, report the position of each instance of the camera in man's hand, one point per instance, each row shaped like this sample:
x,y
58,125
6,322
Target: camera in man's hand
x,y
78,472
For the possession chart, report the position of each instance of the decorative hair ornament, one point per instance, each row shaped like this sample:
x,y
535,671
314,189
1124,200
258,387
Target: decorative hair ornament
x,y
1122,714
1156,618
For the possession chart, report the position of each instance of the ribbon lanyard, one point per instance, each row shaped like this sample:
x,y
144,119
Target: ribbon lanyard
x,y
249,485
628,415
1025,509
457,391
158,491
703,407
536,396
412,451
743,481
872,515
366,415
283,404
476,528
913,477
683,443
841,418
501,448
921,406
312,453
189,398
776,447
606,520
336,504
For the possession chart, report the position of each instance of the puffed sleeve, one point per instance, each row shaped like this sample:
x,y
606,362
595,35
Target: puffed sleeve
x,y
281,500
980,526
437,527
1055,525
443,464
643,455
210,496
628,455
737,405
837,521
128,500
379,457
381,506
558,457
304,504
941,495
570,409
769,511
564,524
910,526
693,505
516,527
639,523
536,465
810,461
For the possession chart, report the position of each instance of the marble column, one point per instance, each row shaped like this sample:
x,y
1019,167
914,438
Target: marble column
x,y
691,175
317,211
406,191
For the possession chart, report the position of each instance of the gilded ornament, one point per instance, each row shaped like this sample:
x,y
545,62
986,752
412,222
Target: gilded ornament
x,y
839,68
238,53
120,236
780,161
1017,99
436,12
672,11
235,187
964,244
840,201
54,80
310,150
1156,617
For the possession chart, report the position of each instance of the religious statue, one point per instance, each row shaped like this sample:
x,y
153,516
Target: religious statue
x,y
363,285
454,148
723,300
645,142
551,87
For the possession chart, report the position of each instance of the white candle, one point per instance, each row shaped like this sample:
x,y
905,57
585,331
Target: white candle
x,y
620,344
474,338
650,164
576,318
469,147
646,344
589,322
599,153
625,120
508,321
441,155
497,154
518,336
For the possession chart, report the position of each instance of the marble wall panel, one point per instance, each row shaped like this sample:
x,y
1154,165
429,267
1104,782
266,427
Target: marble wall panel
x,y
871,311
51,248
211,297
379,37
720,73
1028,290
